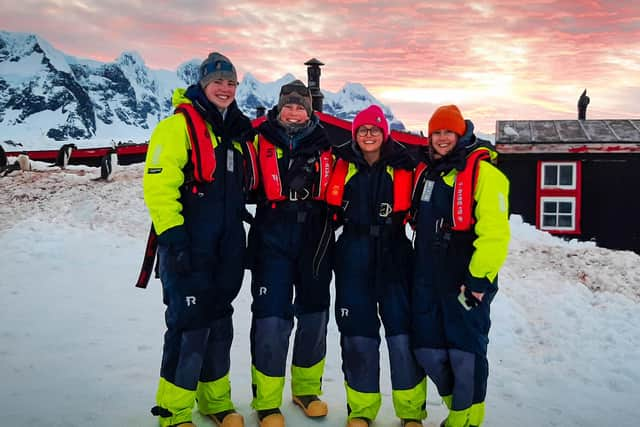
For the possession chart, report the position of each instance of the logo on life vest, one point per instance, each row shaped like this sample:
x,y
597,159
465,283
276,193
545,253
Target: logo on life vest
x,y
385,209
191,300
459,202
344,312
229,160
262,290
427,191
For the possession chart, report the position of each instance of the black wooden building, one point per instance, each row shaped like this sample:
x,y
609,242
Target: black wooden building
x,y
576,178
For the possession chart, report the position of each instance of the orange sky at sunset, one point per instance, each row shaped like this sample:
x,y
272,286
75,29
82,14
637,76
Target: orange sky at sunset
x,y
497,60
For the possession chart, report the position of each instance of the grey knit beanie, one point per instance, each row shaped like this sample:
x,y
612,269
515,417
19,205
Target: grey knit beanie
x,y
295,92
216,66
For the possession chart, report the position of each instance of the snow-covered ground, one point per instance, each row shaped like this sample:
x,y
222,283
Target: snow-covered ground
x,y
80,346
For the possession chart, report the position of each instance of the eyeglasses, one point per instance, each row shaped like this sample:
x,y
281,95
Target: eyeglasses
x,y
374,131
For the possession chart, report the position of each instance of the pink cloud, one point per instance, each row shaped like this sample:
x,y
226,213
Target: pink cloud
x,y
498,59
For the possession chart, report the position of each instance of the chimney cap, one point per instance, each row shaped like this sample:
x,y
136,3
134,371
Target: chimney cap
x,y
314,61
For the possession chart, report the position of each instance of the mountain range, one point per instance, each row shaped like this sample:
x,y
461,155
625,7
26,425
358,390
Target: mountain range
x,y
47,96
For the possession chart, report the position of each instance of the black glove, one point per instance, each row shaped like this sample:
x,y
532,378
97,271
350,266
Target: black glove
x,y
176,240
301,175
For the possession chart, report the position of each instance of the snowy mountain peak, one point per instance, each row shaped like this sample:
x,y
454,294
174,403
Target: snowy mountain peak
x,y
188,72
28,51
287,78
18,44
131,60
352,98
354,88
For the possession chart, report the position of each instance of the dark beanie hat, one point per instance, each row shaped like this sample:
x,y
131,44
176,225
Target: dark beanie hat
x,y
216,66
295,92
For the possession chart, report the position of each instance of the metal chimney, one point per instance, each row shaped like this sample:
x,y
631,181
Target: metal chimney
x,y
313,76
582,106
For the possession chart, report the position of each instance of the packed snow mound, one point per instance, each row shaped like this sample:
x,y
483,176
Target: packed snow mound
x,y
532,251
72,197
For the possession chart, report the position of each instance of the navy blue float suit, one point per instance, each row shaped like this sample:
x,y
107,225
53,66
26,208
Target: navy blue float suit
x,y
450,330
201,249
374,267
290,242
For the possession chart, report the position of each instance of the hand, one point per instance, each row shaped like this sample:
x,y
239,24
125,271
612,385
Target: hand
x,y
176,240
180,260
477,295
469,299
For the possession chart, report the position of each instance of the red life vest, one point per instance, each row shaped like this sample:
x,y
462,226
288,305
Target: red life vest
x,y
462,206
402,180
203,155
270,172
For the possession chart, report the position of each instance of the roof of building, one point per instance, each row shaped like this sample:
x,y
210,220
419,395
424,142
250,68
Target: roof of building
x,y
567,131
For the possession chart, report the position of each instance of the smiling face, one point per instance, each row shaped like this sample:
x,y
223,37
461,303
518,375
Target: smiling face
x,y
293,114
221,92
370,139
443,141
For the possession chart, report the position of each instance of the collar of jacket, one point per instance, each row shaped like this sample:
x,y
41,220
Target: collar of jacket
x,y
310,139
392,153
231,127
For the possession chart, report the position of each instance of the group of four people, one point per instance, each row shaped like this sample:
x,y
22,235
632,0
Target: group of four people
x,y
206,161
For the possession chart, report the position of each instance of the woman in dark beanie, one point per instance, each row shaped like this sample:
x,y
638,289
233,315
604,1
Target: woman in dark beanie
x,y
370,194
460,214
194,185
291,242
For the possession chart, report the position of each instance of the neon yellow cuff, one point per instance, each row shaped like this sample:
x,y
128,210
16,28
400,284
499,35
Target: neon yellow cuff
x,y
410,404
267,390
214,396
306,381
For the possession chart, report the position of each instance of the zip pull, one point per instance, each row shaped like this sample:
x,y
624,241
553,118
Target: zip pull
x,y
195,191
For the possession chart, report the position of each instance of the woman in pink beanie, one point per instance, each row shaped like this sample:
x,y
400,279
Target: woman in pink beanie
x,y
370,192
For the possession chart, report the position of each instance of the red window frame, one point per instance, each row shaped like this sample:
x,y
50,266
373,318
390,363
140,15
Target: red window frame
x,y
547,191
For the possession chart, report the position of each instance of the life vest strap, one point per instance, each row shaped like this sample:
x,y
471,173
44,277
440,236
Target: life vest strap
x,y
335,190
202,152
463,191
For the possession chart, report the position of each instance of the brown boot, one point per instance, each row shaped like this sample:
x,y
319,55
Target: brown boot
x,y
358,422
312,406
229,418
187,424
410,423
270,418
